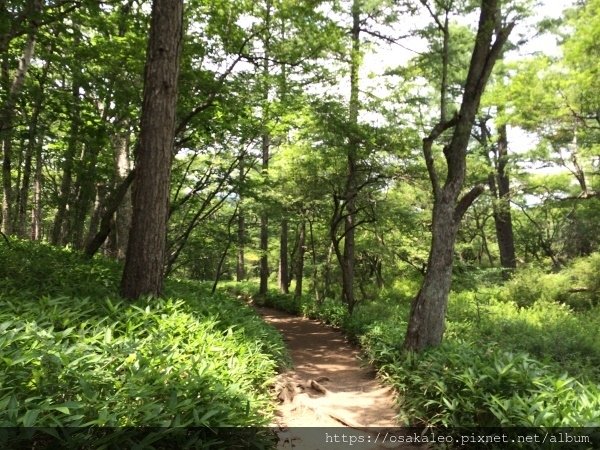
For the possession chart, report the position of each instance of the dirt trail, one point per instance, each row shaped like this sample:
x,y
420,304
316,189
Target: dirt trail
x,y
327,387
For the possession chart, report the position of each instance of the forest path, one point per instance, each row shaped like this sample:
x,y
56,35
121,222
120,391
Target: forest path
x,y
327,387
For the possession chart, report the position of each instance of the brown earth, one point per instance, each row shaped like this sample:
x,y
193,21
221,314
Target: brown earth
x,y
328,387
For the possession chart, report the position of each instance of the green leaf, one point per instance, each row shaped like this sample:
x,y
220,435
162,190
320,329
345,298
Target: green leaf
x,y
30,417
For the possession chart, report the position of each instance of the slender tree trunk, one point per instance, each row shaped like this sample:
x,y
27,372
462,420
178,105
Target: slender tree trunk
x,y
36,212
292,258
327,273
85,195
7,114
240,270
315,269
345,210
7,185
98,209
144,263
32,148
64,197
347,265
24,190
300,260
264,260
106,219
502,214
123,213
283,258
241,233
219,271
265,146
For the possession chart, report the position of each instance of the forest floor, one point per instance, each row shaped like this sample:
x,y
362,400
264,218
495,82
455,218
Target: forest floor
x,y
328,387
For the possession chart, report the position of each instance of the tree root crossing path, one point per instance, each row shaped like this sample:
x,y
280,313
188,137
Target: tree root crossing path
x,y
327,387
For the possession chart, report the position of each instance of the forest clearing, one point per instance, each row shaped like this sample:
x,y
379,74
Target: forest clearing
x,y
226,222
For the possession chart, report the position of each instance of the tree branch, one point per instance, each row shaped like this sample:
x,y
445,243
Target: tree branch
x,y
466,201
427,144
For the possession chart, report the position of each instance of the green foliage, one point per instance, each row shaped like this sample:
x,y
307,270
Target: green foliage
x,y
37,270
577,286
501,364
464,384
187,360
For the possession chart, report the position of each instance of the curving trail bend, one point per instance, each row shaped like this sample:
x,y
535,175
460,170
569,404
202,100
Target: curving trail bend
x,y
327,387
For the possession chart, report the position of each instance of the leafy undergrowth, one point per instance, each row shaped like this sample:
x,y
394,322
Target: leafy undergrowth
x,y
501,364
73,354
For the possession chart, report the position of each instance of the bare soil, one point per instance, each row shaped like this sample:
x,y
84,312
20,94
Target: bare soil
x,y
327,387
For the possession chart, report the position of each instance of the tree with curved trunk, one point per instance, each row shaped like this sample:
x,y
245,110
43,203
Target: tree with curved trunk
x,y
144,262
428,310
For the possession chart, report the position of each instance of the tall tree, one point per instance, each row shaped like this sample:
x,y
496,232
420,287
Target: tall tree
x,y
7,108
428,310
144,262
265,149
499,184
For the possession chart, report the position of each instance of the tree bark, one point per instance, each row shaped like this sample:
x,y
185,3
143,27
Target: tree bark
x,y
283,258
58,229
84,199
219,271
123,213
7,113
36,211
315,268
241,233
300,260
265,147
33,148
350,192
240,271
502,215
106,219
428,311
144,262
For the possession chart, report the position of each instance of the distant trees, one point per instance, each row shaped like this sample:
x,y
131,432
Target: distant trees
x,y
283,146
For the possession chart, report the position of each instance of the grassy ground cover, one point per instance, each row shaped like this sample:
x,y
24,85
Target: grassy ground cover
x,y
73,354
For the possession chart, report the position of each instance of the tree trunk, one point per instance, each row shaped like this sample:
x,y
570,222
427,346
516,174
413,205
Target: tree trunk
x,y
97,212
219,271
7,113
32,146
36,211
265,146
84,200
123,213
241,239
283,258
347,260
58,229
264,260
240,270
502,215
106,219
300,260
428,311
144,263
315,269
7,184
